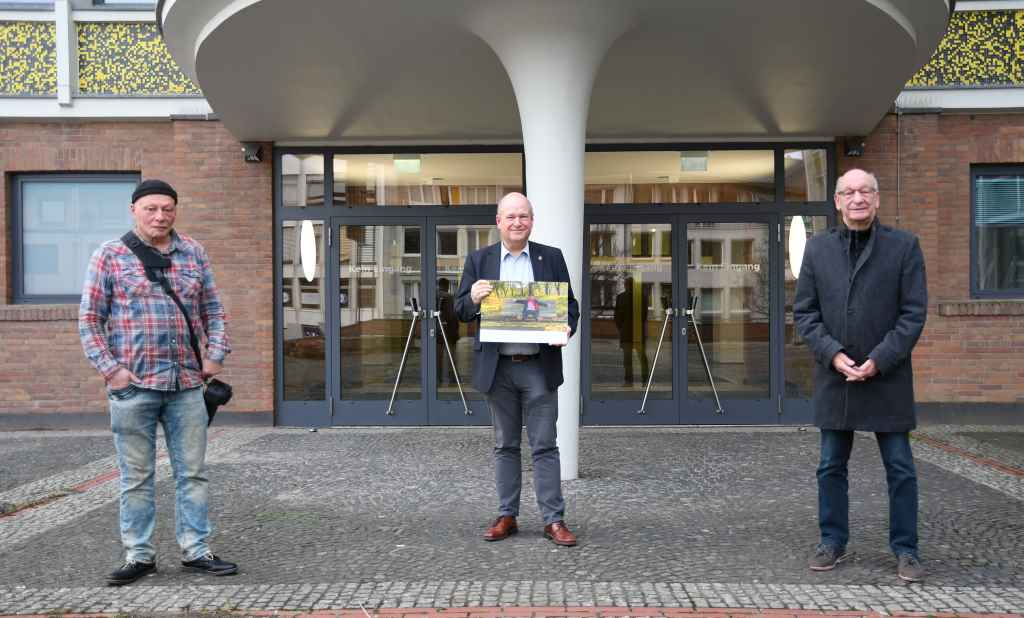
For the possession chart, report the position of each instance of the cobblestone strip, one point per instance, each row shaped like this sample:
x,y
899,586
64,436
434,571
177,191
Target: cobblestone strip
x,y
970,468
884,600
86,493
958,436
58,484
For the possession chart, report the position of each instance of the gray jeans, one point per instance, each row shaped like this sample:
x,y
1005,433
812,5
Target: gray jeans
x,y
519,392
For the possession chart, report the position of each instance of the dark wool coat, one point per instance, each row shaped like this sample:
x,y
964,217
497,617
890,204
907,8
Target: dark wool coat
x,y
875,310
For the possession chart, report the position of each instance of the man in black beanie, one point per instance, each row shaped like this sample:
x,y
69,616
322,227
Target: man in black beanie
x,y
137,338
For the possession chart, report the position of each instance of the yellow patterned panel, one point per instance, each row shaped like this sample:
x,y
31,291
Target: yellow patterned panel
x,y
127,59
28,58
981,48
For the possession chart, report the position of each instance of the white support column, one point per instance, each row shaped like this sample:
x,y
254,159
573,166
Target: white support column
x,y
67,52
551,51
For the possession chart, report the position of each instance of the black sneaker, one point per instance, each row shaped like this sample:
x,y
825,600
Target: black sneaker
x,y
211,564
909,568
826,557
130,571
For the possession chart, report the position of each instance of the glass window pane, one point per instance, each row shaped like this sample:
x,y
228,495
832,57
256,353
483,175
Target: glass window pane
x,y
302,296
630,289
732,302
806,175
447,242
412,241
445,179
999,232
63,222
680,177
375,321
798,362
302,180
449,262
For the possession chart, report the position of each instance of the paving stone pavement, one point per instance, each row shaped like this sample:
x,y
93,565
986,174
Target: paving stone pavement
x,y
691,518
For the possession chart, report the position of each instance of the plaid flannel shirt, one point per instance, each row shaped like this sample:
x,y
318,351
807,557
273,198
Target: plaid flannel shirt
x,y
125,320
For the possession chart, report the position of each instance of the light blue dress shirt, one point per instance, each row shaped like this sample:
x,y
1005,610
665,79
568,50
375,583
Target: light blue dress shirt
x,y
516,268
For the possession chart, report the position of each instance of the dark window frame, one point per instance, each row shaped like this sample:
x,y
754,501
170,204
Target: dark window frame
x,y
988,170
18,295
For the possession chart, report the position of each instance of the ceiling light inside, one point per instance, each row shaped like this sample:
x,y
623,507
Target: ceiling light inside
x,y
407,163
693,160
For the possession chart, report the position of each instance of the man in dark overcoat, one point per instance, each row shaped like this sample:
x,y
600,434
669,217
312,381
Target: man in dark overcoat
x,y
861,303
519,380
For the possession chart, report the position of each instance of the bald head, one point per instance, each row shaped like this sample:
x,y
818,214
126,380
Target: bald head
x,y
514,199
856,176
515,221
857,198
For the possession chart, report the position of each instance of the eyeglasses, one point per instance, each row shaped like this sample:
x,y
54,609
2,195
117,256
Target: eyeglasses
x,y
848,193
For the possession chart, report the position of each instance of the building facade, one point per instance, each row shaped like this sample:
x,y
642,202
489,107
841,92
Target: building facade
x,y
339,166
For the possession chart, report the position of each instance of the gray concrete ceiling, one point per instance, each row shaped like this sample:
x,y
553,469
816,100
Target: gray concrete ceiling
x,y
365,71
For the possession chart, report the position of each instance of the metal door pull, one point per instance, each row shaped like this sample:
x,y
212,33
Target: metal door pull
x,y
416,314
691,317
650,380
451,359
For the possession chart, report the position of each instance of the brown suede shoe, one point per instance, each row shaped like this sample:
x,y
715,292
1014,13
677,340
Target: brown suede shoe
x,y
502,527
559,534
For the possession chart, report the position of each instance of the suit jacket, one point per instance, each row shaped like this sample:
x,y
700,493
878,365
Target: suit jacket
x,y
548,265
877,310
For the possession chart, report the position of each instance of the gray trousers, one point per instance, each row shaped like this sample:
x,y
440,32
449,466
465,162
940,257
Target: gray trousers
x,y
519,392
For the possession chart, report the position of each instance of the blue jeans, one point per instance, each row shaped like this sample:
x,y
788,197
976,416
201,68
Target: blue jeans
x,y
134,414
520,392
900,474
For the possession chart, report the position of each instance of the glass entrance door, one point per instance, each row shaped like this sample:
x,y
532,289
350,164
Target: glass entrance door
x,y
683,320
379,339
403,355
629,360
369,334
728,320
453,400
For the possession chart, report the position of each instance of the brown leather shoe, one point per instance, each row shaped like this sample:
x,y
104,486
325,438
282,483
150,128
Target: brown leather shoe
x,y
502,527
559,534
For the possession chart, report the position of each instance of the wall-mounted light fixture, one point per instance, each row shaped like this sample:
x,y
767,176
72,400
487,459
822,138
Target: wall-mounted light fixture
x,y
307,250
252,152
797,243
853,146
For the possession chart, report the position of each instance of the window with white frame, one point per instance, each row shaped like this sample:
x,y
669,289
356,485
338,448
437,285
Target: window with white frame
x,y
124,4
997,230
46,5
447,242
59,220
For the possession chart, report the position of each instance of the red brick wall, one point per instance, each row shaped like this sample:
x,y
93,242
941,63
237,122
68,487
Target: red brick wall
x,y
225,204
961,357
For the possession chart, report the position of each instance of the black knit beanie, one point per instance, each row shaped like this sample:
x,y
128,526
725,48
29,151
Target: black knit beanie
x,y
154,187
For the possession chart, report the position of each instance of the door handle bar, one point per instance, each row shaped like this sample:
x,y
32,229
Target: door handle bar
x,y
691,317
416,314
650,380
451,359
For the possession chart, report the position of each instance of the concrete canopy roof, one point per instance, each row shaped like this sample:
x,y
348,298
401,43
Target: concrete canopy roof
x,y
364,71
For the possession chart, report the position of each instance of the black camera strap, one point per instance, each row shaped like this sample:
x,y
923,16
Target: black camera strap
x,y
154,263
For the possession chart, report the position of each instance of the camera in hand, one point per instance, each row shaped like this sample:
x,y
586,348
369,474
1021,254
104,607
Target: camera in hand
x,y
217,393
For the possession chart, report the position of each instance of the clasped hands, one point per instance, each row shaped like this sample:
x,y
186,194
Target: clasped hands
x,y
483,287
854,372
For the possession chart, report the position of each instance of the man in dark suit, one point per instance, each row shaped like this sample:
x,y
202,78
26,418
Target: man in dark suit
x,y
519,380
861,303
